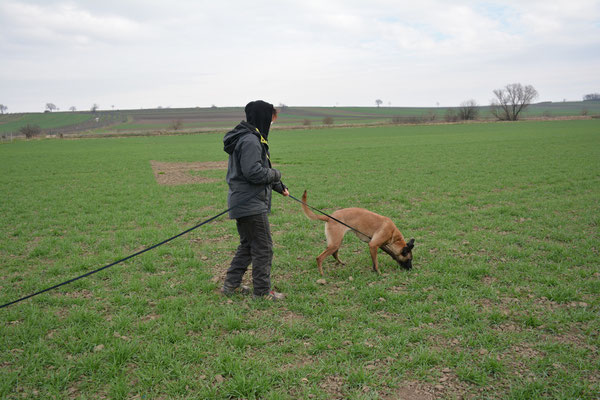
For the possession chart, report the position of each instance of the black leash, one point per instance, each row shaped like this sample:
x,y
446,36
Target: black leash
x,y
327,215
128,257
174,237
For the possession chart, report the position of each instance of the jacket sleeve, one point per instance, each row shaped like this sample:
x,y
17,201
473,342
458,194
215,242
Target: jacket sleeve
x,y
279,187
250,152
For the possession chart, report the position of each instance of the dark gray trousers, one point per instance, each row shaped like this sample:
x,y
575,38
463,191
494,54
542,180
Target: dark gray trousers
x,y
256,248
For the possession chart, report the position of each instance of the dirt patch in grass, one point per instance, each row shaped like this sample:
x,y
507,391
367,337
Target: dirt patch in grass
x,y
333,385
181,173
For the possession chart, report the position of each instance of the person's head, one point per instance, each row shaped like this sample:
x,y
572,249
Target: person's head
x,y
260,114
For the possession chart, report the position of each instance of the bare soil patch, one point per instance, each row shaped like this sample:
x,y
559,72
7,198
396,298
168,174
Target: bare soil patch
x,y
181,173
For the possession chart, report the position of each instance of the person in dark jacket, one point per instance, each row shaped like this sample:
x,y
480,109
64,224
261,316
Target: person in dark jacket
x,y
251,178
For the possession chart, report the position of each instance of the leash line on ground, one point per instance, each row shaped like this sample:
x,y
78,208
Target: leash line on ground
x,y
163,242
116,262
130,256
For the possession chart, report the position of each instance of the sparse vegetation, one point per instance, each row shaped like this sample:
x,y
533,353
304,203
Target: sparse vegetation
x,y
591,97
30,131
511,101
451,115
176,125
153,121
468,110
328,121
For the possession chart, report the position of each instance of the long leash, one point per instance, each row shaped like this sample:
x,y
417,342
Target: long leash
x,y
327,215
172,238
130,256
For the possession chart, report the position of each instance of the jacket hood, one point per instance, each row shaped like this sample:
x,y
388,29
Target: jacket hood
x,y
259,114
232,137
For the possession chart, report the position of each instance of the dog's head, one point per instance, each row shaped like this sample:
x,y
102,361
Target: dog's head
x,y
405,255
401,252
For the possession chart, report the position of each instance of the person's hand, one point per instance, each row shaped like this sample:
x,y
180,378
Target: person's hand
x,y
285,192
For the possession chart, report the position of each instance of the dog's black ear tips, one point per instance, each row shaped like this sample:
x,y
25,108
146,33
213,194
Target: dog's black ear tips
x,y
411,243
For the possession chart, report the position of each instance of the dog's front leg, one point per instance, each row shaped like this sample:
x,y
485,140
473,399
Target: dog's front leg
x,y
373,249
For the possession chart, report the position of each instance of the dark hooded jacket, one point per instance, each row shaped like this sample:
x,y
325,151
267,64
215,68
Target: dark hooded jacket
x,y
249,171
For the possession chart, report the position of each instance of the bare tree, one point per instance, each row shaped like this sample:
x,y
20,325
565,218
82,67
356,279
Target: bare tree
x,y
176,124
30,131
94,108
511,101
3,108
378,102
51,107
73,108
591,97
468,110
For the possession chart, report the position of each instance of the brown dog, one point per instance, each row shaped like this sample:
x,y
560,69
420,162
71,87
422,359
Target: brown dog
x,y
382,231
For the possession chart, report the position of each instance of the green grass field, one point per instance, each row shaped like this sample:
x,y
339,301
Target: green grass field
x,y
502,302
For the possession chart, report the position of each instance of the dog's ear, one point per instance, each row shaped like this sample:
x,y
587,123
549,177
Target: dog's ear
x,y
408,248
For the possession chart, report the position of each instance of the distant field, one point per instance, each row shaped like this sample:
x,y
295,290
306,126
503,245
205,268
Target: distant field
x,y
206,119
503,301
48,121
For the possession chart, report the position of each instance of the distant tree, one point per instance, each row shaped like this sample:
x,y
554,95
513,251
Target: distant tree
x,y
73,108
176,124
306,122
3,108
282,107
378,102
94,108
30,131
468,110
213,107
51,107
511,101
591,96
328,121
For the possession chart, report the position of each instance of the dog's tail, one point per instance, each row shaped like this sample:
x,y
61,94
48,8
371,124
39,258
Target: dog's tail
x,y
308,212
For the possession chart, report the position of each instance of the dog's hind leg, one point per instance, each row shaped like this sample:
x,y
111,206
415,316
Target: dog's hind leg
x,y
334,234
331,249
337,258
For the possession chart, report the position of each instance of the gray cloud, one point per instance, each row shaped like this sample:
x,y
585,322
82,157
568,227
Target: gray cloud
x,y
190,53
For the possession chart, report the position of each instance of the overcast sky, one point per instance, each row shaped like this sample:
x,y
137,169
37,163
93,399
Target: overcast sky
x,y
185,53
